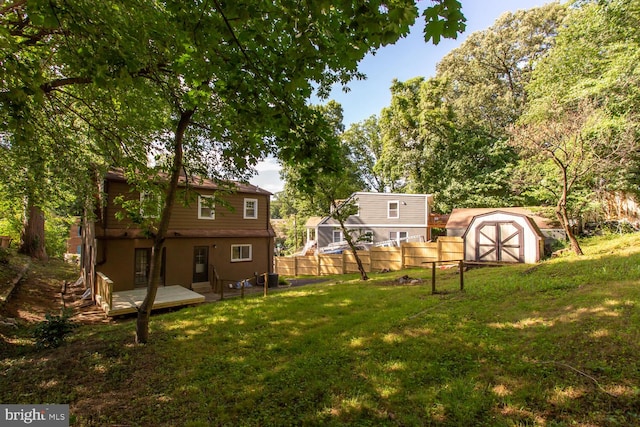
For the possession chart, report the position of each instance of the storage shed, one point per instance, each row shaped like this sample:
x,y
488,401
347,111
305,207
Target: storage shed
x,y
502,235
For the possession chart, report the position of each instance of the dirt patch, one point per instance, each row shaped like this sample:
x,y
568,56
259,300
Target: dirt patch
x,y
48,288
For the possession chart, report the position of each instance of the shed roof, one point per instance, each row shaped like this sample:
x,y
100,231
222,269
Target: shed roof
x,y
461,218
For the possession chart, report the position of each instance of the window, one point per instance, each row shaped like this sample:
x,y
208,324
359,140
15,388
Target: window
x,y
366,236
250,208
241,253
393,209
357,209
149,205
398,236
206,207
337,236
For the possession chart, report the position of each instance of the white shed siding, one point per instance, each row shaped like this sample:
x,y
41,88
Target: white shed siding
x,y
532,240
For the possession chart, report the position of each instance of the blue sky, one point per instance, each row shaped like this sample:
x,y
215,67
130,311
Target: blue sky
x,y
409,57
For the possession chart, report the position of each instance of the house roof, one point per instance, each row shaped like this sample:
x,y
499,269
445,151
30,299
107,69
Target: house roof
x,y
313,221
199,182
461,218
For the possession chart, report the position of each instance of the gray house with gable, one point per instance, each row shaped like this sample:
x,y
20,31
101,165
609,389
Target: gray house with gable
x,y
382,218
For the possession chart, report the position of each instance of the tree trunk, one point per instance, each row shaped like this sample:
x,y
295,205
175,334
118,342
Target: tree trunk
x,y
144,311
563,216
354,250
32,241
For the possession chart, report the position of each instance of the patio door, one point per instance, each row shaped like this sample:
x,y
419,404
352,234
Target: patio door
x,y
142,263
143,266
200,264
499,241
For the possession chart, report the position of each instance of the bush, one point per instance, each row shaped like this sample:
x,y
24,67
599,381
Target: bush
x,y
52,331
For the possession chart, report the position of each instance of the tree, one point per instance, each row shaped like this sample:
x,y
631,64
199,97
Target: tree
x,y
231,80
581,142
326,190
593,61
364,141
588,80
487,74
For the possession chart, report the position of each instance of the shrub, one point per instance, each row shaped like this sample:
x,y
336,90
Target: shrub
x,y
52,331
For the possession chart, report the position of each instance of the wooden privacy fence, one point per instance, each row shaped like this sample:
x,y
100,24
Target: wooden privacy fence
x,y
413,254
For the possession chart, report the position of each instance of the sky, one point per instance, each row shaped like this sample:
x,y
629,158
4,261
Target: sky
x,y
408,58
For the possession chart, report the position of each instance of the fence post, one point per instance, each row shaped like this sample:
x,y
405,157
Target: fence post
x,y
439,249
344,262
266,283
295,265
433,277
402,252
462,275
319,262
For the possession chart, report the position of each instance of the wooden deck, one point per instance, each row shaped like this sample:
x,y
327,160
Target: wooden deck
x,y
125,302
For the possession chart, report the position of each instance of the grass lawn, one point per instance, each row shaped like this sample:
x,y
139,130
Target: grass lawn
x,y
555,344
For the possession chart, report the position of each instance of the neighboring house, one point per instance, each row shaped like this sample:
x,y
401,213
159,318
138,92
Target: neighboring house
x,y
503,234
203,240
381,217
74,242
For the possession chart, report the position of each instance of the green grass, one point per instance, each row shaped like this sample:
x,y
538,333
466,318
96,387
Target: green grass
x,y
552,345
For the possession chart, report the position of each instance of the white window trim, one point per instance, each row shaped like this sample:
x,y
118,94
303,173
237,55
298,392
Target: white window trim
x,y
333,236
357,205
255,209
250,258
398,237
397,202
200,206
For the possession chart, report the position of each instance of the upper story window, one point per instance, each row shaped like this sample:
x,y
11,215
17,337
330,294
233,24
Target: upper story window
x,y
393,209
149,205
250,208
206,207
356,209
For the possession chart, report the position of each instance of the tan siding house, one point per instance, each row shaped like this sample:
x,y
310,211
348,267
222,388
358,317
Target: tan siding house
x,y
230,241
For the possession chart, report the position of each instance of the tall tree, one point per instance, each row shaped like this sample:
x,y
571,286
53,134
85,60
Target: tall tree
x,y
328,188
581,142
448,135
364,141
583,99
488,73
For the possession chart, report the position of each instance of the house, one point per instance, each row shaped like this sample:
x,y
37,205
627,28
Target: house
x,y
512,234
205,243
381,218
74,242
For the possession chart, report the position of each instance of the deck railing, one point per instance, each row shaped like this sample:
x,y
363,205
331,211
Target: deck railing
x,y
104,289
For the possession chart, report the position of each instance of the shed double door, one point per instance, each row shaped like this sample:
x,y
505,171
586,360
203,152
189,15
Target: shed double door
x,y
500,241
